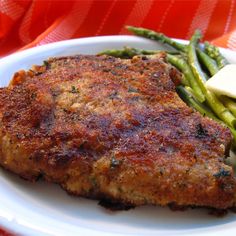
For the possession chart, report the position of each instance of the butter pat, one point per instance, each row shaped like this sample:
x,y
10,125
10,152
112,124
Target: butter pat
x,y
224,81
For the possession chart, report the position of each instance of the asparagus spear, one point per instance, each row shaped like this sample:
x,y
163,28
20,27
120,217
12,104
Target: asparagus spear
x,y
214,52
208,62
192,58
220,110
146,33
128,52
213,69
229,103
188,98
182,65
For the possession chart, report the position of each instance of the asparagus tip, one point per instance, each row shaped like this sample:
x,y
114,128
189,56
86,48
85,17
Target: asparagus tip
x,y
197,35
128,27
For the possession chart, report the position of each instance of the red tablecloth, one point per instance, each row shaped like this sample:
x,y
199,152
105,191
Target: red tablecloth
x,y
25,24
31,23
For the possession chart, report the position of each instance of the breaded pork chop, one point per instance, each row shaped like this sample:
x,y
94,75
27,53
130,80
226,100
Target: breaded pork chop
x,y
114,129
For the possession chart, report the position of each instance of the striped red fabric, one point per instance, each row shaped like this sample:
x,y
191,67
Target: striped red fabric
x,y
25,24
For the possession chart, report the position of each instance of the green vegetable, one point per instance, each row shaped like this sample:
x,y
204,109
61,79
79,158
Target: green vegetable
x,y
183,66
150,34
188,98
233,132
214,52
220,110
213,69
229,103
193,60
128,52
208,62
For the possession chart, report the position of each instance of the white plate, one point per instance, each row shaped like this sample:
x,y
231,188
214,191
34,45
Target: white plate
x,y
45,209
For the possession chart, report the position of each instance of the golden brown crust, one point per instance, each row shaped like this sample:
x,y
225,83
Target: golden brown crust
x,y
108,128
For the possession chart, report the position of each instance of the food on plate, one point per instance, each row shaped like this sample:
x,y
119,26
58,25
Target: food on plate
x,y
115,130
215,54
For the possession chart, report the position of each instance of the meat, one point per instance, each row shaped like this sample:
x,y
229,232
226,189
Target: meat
x,y
114,130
